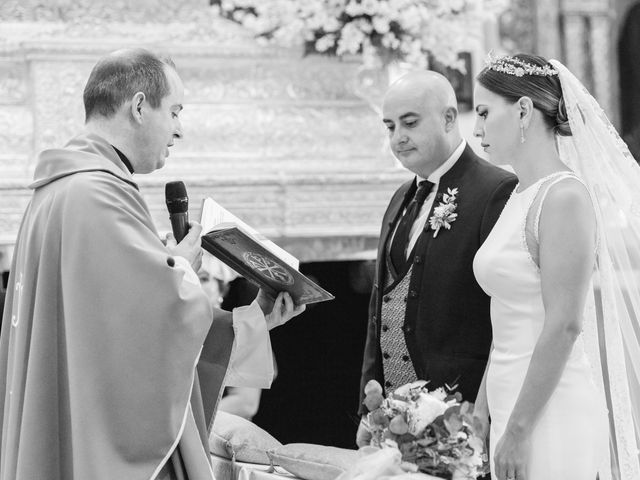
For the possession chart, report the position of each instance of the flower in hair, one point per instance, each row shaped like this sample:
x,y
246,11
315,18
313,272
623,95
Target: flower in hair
x,y
517,67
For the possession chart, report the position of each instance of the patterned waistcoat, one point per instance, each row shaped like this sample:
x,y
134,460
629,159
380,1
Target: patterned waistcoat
x,y
397,366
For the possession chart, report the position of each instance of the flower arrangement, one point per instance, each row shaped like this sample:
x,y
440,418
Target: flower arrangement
x,y
444,214
407,30
434,431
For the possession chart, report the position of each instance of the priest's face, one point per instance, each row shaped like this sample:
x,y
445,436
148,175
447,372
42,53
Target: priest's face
x,y
160,127
417,127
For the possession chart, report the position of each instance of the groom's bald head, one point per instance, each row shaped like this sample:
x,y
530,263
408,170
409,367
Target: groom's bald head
x,y
432,87
420,111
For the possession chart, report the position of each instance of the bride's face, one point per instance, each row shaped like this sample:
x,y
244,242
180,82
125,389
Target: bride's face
x,y
497,125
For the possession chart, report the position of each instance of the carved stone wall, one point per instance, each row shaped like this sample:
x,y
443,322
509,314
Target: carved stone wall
x,y
578,32
588,47
282,141
518,27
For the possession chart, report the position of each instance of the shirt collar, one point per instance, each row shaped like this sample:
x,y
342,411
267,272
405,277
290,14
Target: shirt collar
x,y
124,159
446,166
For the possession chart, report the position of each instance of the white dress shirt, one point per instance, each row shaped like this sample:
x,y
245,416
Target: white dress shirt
x,y
434,178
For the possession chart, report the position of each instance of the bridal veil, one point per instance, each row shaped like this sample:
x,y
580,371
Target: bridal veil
x,y
598,155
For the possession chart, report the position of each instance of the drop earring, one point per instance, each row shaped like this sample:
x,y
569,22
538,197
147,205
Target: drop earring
x,y
522,139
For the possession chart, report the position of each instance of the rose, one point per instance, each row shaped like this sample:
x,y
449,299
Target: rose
x,y
372,386
373,401
377,417
373,395
398,425
427,409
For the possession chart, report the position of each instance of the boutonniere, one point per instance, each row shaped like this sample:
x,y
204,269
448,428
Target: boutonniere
x,y
444,214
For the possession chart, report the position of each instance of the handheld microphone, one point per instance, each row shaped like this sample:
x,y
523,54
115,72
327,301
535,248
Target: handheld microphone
x,y
175,194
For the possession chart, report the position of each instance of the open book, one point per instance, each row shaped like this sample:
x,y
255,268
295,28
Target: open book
x,y
255,257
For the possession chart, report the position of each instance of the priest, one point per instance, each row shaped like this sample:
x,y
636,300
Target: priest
x,y
111,357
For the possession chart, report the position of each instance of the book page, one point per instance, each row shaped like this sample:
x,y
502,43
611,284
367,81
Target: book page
x,y
214,214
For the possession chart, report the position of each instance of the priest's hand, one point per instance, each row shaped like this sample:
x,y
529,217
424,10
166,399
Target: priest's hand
x,y
278,311
190,247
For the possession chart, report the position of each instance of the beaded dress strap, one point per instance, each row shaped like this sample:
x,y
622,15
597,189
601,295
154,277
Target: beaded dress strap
x,y
546,182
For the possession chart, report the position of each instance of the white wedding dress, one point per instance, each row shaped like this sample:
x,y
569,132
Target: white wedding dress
x,y
571,435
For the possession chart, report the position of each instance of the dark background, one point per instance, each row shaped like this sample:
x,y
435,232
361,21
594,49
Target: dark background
x,y
314,398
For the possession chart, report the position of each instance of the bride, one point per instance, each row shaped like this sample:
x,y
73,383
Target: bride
x,y
561,387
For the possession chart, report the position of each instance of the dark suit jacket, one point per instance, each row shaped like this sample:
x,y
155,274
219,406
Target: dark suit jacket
x,y
447,326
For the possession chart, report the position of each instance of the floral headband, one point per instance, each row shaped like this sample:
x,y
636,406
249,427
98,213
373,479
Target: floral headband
x,y
515,66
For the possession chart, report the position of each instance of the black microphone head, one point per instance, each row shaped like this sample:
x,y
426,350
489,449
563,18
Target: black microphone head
x,y
175,194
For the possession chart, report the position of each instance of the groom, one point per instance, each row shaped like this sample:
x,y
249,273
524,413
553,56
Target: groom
x,y
428,318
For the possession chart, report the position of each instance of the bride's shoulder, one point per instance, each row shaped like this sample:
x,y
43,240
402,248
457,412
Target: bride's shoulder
x,y
567,190
568,200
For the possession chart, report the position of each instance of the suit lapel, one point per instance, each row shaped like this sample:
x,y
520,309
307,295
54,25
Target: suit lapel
x,y
393,213
451,179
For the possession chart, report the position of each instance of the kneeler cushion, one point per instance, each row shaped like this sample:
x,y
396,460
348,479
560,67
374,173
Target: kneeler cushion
x,y
313,462
238,439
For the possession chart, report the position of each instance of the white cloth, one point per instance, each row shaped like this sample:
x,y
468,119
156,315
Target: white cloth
x,y
570,438
423,215
251,363
252,358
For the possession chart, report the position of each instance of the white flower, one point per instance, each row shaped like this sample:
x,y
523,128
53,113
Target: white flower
x,y
443,214
410,19
332,24
325,43
427,409
400,405
405,390
380,24
351,39
439,393
442,28
370,7
389,40
353,9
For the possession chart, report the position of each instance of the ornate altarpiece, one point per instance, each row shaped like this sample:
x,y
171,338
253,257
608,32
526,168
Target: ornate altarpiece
x,y
281,140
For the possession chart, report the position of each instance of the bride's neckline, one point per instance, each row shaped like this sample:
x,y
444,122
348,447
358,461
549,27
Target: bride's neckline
x,y
516,190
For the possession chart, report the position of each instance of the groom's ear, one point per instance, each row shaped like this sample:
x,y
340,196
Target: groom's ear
x,y
525,108
450,117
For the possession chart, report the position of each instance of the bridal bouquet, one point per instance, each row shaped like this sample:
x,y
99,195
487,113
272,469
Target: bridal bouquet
x,y
434,431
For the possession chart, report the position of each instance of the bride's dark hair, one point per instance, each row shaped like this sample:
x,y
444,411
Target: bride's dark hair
x,y
544,91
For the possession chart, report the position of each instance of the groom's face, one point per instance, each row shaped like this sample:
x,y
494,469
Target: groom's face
x,y
416,125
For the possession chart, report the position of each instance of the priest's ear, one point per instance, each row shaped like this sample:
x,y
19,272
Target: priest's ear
x,y
450,118
138,103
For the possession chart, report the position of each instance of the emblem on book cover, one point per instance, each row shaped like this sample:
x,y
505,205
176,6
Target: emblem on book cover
x,y
268,268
